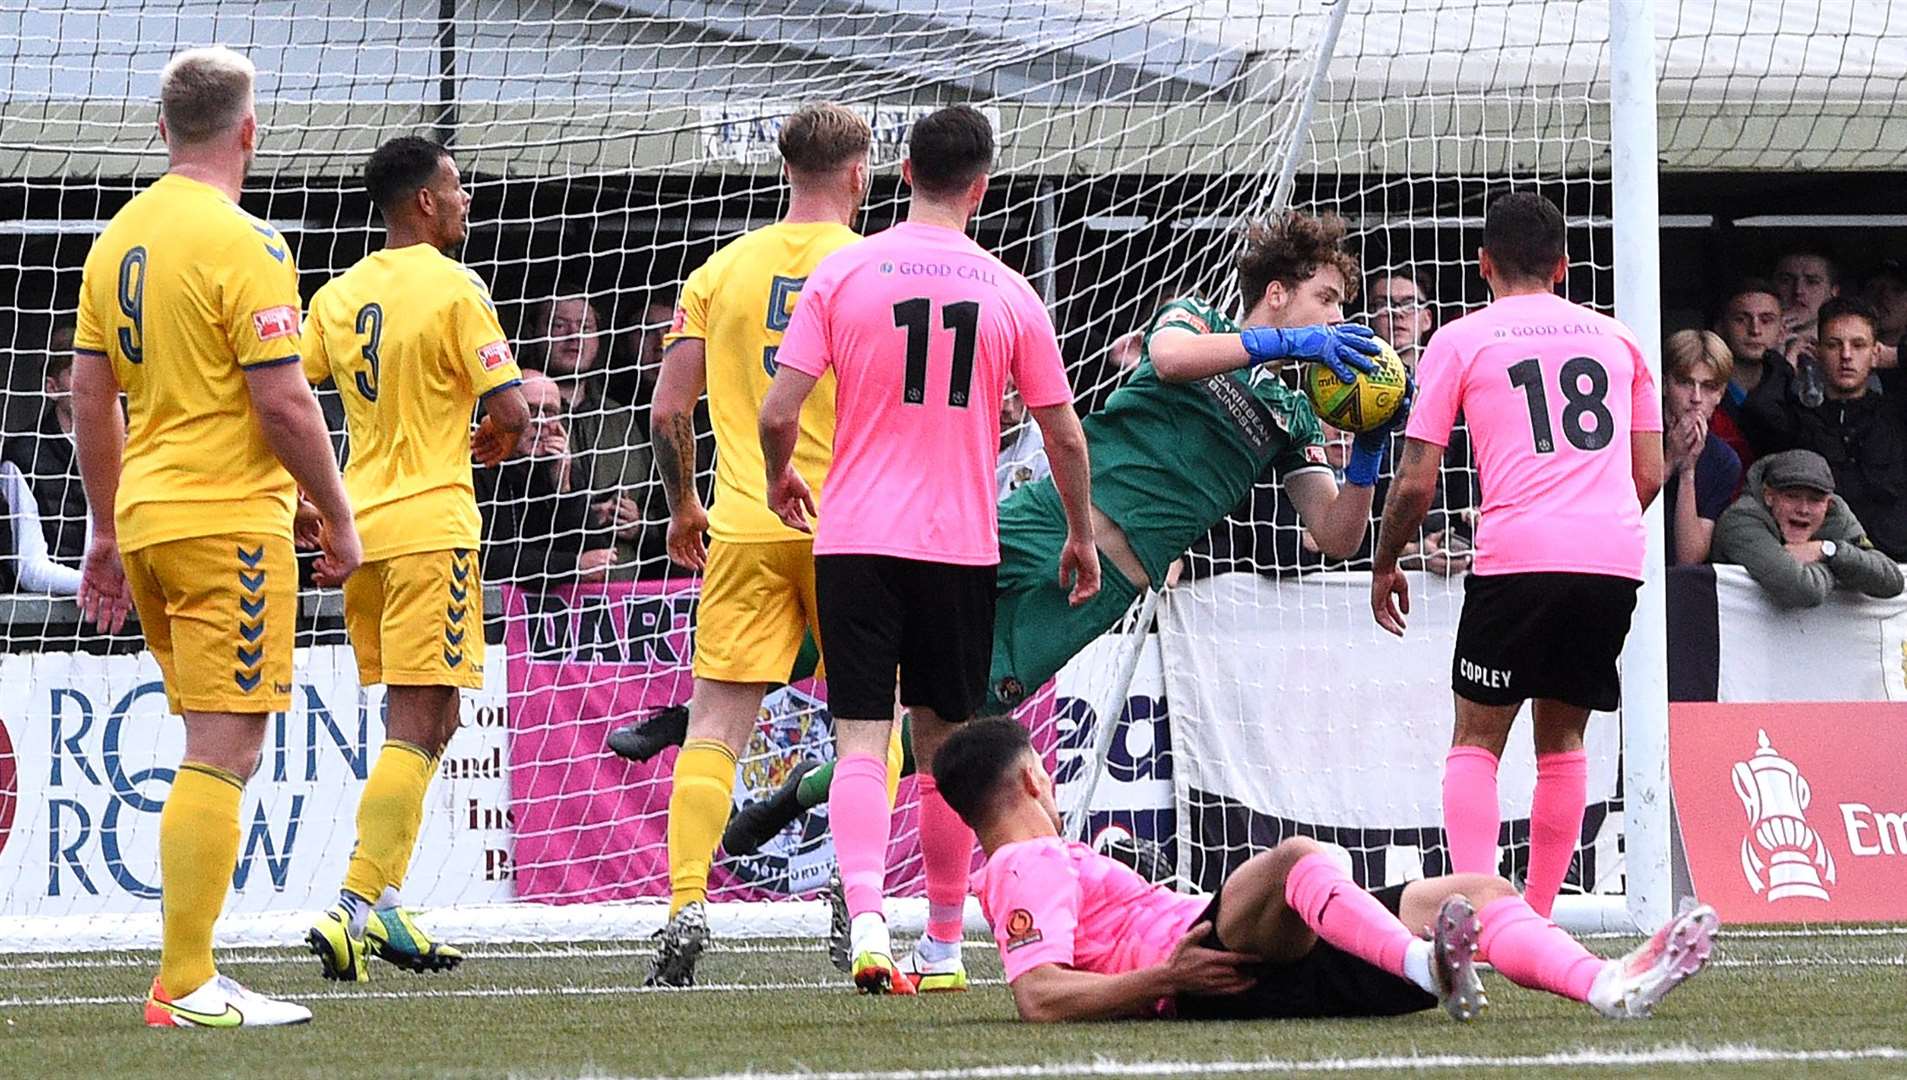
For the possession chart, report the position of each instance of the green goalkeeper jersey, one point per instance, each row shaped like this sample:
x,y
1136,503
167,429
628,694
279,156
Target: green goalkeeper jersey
x,y
1170,460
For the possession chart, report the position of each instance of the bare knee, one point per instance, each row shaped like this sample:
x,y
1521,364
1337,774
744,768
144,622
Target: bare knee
x,y
1482,889
423,716
1484,726
225,741
725,712
1255,914
1278,863
928,733
1558,726
1288,852
863,737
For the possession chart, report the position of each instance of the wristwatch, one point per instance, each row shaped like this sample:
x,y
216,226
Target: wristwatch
x,y
1828,548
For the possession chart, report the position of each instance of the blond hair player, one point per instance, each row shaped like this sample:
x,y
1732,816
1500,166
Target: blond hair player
x,y
190,306
758,591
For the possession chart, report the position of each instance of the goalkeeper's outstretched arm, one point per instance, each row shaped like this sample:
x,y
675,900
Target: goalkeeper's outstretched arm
x,y
1181,355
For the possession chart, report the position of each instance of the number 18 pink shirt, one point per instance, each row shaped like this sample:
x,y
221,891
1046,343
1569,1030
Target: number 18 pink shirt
x,y
1551,392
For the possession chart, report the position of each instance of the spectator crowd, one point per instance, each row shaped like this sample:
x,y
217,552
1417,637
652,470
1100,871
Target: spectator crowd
x,y
1785,447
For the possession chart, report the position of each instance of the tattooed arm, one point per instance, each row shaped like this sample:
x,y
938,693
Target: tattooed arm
x,y
672,438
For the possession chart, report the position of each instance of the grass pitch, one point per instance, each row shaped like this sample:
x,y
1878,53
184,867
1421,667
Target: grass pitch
x,y
1773,1004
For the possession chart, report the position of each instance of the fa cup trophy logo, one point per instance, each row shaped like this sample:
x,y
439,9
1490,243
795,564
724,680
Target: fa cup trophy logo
x,y
1780,853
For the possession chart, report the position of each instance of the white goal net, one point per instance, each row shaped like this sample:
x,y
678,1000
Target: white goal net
x,y
611,147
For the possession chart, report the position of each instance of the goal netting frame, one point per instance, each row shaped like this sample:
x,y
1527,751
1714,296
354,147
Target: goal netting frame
x,y
610,147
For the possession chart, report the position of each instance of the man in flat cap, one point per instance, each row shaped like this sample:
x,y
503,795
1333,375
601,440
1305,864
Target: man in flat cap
x,y
1797,538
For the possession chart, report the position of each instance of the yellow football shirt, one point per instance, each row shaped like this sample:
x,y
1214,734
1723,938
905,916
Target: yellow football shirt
x,y
183,292
739,303
412,338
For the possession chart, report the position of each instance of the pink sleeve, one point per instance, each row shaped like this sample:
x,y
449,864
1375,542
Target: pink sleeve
x,y
804,346
1038,369
1036,912
1645,400
1439,392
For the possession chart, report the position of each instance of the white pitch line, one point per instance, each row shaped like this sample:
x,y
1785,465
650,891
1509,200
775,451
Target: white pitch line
x,y
287,955
477,992
1731,934
1807,961
1606,1059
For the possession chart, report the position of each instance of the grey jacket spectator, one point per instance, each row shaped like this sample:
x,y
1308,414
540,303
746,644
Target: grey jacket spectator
x,y
1799,540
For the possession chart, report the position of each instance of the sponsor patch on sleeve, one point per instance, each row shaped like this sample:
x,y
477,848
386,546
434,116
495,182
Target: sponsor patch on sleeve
x,y
1314,454
1020,931
681,320
274,323
494,355
1185,318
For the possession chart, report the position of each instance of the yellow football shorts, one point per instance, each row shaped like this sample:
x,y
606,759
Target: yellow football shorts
x,y
218,614
757,604
417,620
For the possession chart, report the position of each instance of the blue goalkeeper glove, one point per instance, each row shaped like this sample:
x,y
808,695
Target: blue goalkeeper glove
x,y
1369,449
1345,348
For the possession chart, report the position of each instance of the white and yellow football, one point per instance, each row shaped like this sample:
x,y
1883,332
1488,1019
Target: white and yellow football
x,y
1364,404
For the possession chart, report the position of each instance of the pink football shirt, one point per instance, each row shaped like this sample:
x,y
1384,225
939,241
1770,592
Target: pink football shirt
x,y
1551,392
1051,901
922,328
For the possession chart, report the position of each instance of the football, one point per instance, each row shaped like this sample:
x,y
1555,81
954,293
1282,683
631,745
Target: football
x,y
1365,404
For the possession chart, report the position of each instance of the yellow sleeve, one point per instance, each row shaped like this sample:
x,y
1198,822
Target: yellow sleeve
x,y
691,310
484,360
260,298
316,361
89,333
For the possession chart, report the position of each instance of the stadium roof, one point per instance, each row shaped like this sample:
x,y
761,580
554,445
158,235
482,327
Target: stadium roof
x,y
1136,85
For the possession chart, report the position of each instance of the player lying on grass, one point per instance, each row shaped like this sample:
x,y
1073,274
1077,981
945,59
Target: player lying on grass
x,y
1288,934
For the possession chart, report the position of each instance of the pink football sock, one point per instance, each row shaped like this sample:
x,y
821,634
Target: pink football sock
x,y
1531,951
859,815
1556,823
946,852
1470,816
1331,903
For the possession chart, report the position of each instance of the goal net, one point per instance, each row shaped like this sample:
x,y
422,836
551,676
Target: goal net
x,y
610,147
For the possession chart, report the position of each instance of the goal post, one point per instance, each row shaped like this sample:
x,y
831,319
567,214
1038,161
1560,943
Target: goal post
x,y
1634,174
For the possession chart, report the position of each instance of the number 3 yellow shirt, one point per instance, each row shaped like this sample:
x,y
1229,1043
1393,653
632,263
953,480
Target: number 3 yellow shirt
x,y
412,338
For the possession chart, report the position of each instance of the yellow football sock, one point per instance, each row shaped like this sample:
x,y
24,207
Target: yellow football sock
x,y
198,849
390,812
698,811
896,754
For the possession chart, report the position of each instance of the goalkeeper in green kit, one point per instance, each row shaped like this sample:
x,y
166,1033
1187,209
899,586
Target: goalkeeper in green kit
x,y
1175,449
